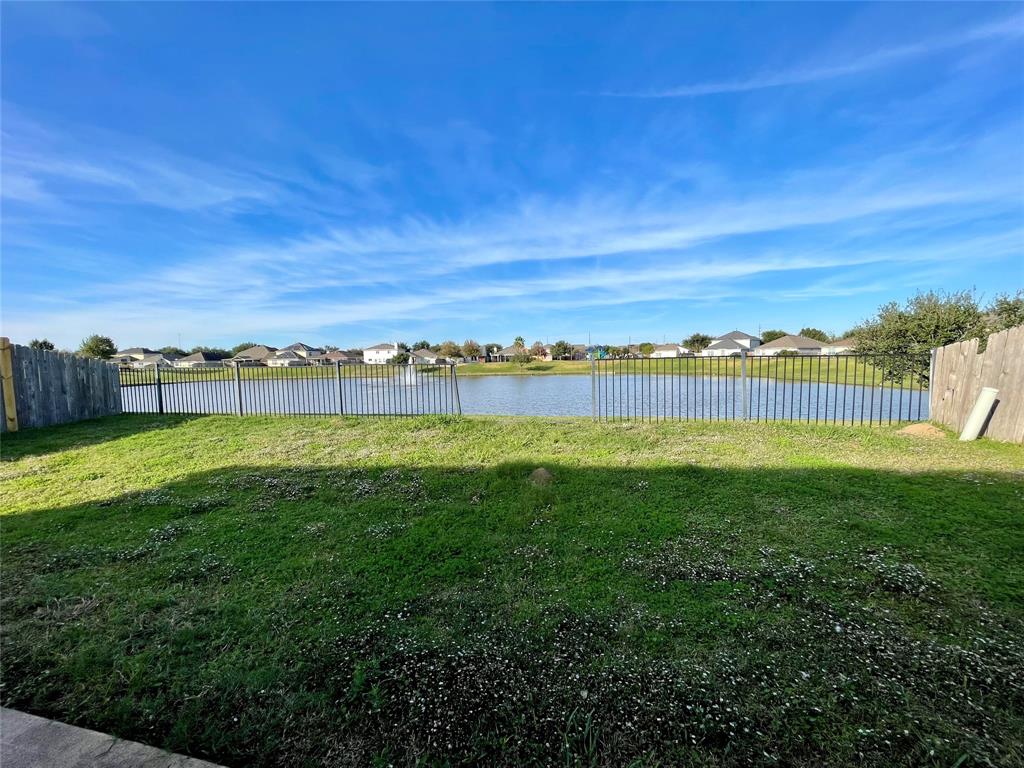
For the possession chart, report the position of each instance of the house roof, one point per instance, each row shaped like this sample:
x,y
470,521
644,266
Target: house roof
x,y
735,335
509,351
285,354
849,341
724,343
669,346
387,345
198,357
160,356
424,352
339,354
299,346
136,351
257,352
790,341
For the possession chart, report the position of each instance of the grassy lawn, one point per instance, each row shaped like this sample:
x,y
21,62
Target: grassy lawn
x,y
288,591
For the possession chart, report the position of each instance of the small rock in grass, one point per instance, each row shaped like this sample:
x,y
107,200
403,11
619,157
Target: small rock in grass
x,y
541,476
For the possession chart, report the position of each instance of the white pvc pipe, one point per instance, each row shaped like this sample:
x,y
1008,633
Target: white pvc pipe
x,y
980,411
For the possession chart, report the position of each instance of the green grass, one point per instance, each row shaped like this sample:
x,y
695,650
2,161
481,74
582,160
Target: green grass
x,y
288,591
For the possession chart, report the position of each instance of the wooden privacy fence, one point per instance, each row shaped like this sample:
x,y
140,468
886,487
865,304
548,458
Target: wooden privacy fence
x,y
42,388
959,373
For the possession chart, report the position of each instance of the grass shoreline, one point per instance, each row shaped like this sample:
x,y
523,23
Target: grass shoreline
x,y
272,590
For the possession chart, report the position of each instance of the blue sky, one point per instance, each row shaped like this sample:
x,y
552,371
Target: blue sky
x,y
347,174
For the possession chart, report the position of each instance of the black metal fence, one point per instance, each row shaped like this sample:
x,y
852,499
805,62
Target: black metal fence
x,y
829,389
350,390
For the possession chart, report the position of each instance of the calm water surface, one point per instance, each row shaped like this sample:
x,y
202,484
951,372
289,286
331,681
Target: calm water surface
x,y
617,396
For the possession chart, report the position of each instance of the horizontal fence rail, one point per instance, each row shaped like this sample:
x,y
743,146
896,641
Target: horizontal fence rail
x,y
820,389
345,390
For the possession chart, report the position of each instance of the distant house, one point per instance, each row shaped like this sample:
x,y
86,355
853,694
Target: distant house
x,y
800,345
198,360
304,350
285,358
669,350
379,354
427,357
154,360
841,346
732,343
130,355
256,355
340,356
506,355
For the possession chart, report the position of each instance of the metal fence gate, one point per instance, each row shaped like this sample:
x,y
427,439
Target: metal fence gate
x,y
330,390
829,389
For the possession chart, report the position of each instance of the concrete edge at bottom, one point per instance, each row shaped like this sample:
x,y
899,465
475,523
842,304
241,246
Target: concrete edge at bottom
x,y
28,741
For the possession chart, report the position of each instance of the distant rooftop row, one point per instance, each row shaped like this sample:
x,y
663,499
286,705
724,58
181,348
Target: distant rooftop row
x,y
300,354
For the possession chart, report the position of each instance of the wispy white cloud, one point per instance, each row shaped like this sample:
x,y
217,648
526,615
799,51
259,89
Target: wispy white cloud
x,y
1011,27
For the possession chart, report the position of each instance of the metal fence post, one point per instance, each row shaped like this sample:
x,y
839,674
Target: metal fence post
x,y
744,395
455,386
337,381
159,390
238,389
593,386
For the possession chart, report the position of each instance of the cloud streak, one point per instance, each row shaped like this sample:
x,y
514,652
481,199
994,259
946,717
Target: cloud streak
x,y
1009,28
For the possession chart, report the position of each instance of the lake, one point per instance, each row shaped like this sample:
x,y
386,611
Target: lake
x,y
617,396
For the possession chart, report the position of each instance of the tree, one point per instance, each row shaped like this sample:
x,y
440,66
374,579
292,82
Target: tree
x,y
646,348
239,347
42,344
102,347
522,355
424,344
331,347
697,342
814,333
449,349
561,350
173,351
519,342
470,348
1004,312
537,349
402,358
908,332
772,335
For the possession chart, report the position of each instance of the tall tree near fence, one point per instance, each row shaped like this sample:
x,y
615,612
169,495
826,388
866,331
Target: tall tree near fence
x,y
42,344
929,320
102,347
470,348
